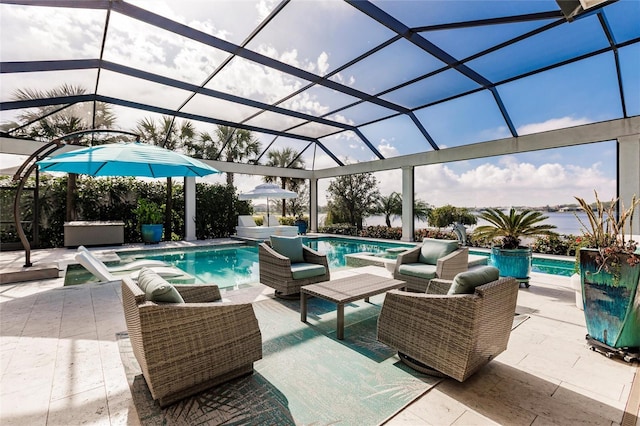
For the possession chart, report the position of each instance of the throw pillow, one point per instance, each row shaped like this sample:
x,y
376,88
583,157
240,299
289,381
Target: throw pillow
x,y
466,282
290,247
156,288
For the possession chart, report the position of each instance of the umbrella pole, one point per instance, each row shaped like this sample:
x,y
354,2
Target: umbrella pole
x,y
267,224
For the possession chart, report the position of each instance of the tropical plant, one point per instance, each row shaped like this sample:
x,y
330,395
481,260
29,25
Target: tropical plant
x,y
148,212
226,144
50,122
286,158
512,227
607,232
352,198
390,206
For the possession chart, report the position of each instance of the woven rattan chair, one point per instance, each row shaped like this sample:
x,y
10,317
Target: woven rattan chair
x,y
446,267
276,272
450,335
185,348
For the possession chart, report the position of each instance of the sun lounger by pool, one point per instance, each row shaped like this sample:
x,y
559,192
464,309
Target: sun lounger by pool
x,y
100,270
129,266
282,230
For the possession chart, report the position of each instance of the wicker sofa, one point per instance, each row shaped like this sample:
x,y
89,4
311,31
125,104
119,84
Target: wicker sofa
x,y
449,334
278,271
185,348
432,259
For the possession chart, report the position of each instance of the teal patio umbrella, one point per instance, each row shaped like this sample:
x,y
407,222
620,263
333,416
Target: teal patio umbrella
x,y
126,159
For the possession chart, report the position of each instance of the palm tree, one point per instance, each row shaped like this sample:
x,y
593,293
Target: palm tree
x,y
226,144
512,227
288,158
170,134
389,206
71,119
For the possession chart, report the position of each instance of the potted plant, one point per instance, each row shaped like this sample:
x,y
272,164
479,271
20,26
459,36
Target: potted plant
x,y
301,223
609,276
512,259
150,216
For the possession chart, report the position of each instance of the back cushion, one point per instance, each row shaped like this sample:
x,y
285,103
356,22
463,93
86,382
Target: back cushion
x,y
246,221
290,247
156,288
433,249
466,282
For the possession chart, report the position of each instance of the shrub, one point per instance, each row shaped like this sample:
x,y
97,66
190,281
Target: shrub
x,y
382,232
564,245
339,229
419,234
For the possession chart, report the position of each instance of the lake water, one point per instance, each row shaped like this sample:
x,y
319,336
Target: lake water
x,y
566,222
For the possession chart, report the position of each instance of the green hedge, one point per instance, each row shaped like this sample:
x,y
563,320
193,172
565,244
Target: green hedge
x,y
114,199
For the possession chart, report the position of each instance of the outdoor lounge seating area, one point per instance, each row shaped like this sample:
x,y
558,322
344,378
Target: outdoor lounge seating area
x,y
247,228
547,375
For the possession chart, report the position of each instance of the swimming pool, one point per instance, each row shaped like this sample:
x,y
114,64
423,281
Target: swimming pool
x,y
237,266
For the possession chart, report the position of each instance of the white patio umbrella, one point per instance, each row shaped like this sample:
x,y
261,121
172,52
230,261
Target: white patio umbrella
x,y
267,190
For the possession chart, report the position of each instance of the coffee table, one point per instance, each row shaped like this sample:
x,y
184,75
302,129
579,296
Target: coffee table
x,y
347,290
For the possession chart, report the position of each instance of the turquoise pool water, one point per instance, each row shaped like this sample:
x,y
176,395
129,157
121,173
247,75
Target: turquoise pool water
x,y
237,266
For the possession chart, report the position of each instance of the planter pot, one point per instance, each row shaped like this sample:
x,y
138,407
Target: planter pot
x,y
611,303
302,227
151,234
512,262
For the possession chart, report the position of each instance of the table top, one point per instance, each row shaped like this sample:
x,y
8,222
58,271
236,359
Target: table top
x,y
349,289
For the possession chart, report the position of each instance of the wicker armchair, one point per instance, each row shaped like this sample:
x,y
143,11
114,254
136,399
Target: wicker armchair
x,y
455,335
454,261
185,348
276,270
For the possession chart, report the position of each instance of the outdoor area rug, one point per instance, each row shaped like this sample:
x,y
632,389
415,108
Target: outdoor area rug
x,y
306,375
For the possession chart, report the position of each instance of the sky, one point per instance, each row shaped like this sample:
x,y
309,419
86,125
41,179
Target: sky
x,y
335,33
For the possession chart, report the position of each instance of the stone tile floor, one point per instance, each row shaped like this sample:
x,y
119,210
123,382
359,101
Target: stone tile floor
x,y
60,365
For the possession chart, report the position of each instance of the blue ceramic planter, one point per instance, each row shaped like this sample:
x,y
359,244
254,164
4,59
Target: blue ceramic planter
x,y
512,262
151,234
611,304
302,227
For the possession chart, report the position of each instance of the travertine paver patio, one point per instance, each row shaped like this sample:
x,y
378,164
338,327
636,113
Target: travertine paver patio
x,y
60,363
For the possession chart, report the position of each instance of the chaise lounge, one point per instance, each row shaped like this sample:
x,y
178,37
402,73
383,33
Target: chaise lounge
x,y
184,339
247,228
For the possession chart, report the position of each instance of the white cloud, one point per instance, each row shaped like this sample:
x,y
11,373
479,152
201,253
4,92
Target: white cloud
x,y
387,150
552,124
510,182
323,63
